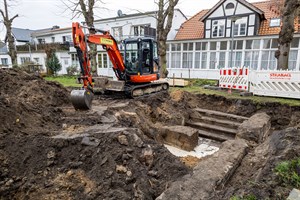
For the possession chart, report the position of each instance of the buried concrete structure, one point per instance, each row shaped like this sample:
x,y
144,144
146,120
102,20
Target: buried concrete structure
x,y
183,137
208,174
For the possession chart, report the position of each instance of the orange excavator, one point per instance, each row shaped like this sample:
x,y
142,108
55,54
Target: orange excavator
x,y
137,76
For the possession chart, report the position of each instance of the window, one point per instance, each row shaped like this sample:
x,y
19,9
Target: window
x,y
188,46
74,59
240,27
293,59
187,60
252,44
251,59
229,6
175,60
66,38
222,57
204,60
66,61
41,40
187,56
236,59
268,60
175,55
213,60
102,60
4,61
275,22
139,30
117,33
218,28
213,45
53,39
36,60
25,60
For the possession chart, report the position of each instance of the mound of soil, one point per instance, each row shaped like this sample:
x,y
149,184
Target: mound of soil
x,y
122,165
110,151
29,104
99,158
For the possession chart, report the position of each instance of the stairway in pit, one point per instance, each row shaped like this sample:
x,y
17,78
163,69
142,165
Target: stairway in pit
x,y
215,125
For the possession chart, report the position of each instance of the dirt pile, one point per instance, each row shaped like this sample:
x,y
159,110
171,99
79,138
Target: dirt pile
x,y
119,165
29,104
50,151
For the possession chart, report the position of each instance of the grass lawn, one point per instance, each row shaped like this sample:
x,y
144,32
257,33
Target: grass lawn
x,y
67,81
196,87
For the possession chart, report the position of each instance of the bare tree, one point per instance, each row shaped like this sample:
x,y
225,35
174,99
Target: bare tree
x,y
164,23
8,25
289,11
86,9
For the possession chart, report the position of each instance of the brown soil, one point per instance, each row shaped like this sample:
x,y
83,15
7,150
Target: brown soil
x,y
50,151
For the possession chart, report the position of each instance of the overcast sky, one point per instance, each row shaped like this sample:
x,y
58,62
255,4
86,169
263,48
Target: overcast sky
x,y
38,14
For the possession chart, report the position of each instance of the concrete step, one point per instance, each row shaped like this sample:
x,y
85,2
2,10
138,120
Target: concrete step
x,y
215,121
215,136
221,115
212,128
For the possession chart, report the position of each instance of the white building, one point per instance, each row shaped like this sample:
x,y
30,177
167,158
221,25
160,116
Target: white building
x,y
122,26
203,44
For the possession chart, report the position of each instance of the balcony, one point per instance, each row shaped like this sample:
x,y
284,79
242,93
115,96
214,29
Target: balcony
x,y
41,47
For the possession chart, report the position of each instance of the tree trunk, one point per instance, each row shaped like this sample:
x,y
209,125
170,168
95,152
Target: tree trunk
x,y
163,59
88,14
287,33
164,23
10,39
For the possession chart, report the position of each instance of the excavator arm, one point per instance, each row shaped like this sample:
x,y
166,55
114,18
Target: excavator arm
x,y
108,43
81,99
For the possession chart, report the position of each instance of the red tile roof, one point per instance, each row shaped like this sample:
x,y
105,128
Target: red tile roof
x,y
194,28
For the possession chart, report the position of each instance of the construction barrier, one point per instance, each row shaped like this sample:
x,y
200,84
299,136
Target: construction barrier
x,y
275,83
236,78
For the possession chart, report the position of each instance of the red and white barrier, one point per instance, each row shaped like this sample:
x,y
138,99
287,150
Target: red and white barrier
x,y
236,78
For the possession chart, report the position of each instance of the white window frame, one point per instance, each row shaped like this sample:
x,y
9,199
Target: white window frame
x,y
218,26
238,24
275,22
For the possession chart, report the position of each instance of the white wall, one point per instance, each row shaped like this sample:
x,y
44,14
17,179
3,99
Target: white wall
x,y
58,36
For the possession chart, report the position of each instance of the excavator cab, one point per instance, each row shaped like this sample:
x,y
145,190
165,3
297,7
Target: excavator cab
x,y
140,56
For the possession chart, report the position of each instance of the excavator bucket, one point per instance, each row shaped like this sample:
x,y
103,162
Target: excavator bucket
x,y
81,99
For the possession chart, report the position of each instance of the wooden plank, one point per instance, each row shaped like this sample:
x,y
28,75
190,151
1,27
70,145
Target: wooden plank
x,y
178,82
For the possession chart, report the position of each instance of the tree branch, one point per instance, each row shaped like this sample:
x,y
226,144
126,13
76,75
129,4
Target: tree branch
x,y
14,17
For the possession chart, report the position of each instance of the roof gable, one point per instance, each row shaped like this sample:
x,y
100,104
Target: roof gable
x,y
243,2
194,29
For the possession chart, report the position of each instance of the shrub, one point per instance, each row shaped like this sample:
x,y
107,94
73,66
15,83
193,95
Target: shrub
x,y
53,63
72,70
288,172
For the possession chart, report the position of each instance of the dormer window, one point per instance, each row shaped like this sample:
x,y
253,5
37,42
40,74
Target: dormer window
x,y
229,6
275,22
218,28
240,27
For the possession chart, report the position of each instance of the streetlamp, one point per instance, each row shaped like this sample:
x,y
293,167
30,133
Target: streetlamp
x,y
233,20
29,50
